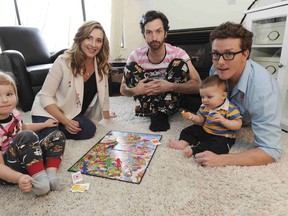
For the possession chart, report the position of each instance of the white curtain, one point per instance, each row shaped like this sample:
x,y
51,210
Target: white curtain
x,y
116,31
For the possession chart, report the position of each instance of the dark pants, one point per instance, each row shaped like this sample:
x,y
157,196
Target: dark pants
x,y
169,102
88,128
26,149
200,140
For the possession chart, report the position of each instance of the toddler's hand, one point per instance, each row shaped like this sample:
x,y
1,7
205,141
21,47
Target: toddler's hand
x,y
51,123
25,183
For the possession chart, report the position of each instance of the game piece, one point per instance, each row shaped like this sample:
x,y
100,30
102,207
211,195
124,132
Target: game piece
x,y
155,142
109,139
80,187
76,177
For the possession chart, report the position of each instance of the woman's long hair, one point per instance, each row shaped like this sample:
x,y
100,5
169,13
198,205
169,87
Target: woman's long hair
x,y
77,57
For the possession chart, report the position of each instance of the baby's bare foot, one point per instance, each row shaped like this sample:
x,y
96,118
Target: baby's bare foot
x,y
176,144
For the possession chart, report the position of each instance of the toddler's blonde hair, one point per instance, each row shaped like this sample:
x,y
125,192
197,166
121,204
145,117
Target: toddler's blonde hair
x,y
7,78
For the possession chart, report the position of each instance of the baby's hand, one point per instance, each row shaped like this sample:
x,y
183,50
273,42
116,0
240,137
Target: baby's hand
x,y
25,183
51,123
187,115
218,117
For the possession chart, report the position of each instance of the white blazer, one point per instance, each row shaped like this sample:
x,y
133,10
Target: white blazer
x,y
65,90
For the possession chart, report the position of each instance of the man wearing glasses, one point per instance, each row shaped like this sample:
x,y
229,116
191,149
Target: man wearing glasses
x,y
253,90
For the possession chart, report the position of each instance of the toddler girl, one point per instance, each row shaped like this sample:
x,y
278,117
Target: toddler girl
x,y
24,160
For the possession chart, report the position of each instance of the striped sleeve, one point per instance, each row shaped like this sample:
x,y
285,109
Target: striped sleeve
x,y
233,112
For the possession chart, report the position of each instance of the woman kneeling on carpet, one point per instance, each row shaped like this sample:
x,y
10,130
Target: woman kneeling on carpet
x,y
25,160
75,91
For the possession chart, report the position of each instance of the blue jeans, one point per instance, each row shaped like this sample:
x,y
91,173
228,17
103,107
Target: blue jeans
x,y
88,128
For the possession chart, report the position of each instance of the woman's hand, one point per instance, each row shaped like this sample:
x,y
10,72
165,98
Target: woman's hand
x,y
108,115
72,127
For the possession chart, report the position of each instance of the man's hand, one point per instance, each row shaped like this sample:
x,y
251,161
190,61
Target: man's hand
x,y
159,86
144,87
209,159
148,87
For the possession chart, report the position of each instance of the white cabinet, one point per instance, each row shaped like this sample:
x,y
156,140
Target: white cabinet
x,y
270,45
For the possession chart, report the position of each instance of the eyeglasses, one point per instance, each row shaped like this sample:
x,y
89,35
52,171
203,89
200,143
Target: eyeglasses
x,y
228,56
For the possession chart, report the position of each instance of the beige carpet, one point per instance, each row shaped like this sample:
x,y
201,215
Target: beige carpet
x,y
172,184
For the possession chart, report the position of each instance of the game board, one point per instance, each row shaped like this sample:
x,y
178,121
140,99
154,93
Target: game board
x,y
119,155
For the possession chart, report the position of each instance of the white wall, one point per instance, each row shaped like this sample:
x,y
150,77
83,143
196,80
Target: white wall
x,y
192,13
181,14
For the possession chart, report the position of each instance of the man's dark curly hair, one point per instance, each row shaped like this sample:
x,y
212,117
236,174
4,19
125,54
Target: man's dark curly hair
x,y
233,30
152,15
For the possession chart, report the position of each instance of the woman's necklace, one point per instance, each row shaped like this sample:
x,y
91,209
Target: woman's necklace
x,y
89,69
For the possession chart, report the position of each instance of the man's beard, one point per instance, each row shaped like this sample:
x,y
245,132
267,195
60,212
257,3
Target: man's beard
x,y
155,45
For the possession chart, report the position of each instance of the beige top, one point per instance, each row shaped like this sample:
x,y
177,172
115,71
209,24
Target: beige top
x,y
66,91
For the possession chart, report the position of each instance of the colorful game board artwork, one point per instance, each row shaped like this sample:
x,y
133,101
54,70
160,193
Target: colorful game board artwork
x,y
119,155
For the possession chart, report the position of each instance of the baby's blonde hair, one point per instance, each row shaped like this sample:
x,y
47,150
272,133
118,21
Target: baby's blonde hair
x,y
7,78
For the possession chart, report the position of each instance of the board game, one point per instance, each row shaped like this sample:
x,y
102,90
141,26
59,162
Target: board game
x,y
119,155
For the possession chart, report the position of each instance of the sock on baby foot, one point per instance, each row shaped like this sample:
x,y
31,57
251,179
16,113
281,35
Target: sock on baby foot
x,y
40,183
55,183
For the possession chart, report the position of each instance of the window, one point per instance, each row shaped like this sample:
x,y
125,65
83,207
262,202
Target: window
x,y
58,20
99,10
8,14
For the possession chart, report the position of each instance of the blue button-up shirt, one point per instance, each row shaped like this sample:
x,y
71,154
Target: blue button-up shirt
x,y
258,98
